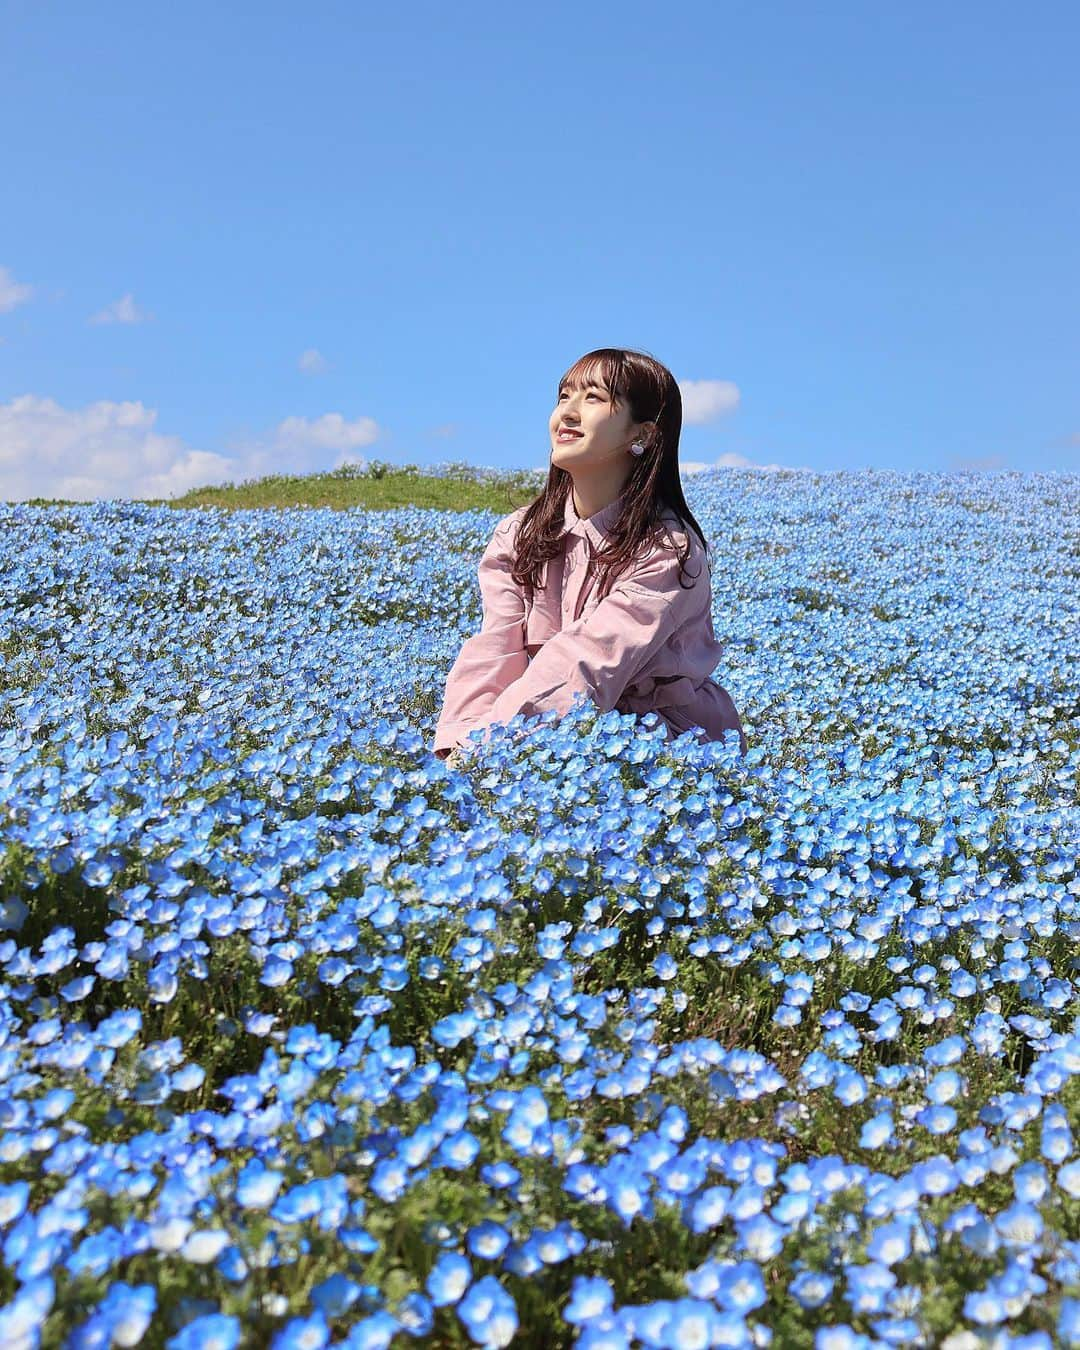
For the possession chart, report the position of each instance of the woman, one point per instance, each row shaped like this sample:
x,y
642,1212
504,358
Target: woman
x,y
585,589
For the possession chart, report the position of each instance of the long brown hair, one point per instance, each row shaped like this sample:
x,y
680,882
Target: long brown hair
x,y
650,391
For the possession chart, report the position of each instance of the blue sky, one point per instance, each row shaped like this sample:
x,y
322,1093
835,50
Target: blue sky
x,y
252,238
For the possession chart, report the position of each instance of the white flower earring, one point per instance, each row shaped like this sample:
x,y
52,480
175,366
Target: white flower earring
x,y
637,449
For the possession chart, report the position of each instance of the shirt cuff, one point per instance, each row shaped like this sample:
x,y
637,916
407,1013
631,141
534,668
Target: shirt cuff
x,y
450,734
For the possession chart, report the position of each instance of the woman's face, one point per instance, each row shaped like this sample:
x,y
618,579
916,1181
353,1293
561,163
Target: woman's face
x,y
603,431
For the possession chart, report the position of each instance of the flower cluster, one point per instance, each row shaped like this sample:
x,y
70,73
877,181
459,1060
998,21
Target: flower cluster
x,y
308,1038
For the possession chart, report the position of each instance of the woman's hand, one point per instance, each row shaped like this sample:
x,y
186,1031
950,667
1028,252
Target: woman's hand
x,y
455,760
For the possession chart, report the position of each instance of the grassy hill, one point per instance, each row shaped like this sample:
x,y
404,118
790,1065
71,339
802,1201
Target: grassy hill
x,y
374,486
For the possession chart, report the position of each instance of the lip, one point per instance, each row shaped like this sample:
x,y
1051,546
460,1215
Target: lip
x,y
568,432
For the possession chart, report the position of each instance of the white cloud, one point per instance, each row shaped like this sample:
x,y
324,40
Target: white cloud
x,y
12,292
730,460
328,432
299,445
103,450
312,362
114,450
123,310
706,400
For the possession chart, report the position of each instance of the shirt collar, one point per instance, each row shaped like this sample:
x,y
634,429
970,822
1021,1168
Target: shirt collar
x,y
598,525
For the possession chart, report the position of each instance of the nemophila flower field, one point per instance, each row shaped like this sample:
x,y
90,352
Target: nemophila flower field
x,y
308,1039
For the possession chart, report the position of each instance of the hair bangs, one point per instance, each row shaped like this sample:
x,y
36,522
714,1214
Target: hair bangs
x,y
601,367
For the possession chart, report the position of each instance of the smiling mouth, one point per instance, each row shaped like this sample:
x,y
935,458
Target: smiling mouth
x,y
569,435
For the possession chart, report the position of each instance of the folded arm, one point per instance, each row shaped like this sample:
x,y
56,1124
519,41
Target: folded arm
x,y
494,657
602,652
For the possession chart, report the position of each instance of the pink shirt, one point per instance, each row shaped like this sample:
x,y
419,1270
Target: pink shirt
x,y
648,645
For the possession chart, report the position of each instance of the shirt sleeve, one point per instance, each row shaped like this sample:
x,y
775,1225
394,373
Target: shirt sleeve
x,y
602,652
494,657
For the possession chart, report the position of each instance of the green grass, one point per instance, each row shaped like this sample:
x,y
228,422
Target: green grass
x,y
375,487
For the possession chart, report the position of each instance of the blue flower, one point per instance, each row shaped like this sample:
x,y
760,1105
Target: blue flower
x,y
1068,1327
792,1207
13,1201
937,1119
850,1088
119,1028
276,972
376,1332
944,1086
590,1297
489,1313
1037,1340
21,1321
936,1176
188,1078
890,1243
333,971
666,966
740,1288
204,1245
487,1240
868,1286
984,1307
987,1033
1021,1225
760,1237
1068,1178
981,1238
415,1314
213,1331
299,1203
840,1337
877,1131
628,1192
451,1030
256,1186
945,1052
604,1334
458,1150
162,983
692,1322
335,1295
709,1208
127,1311
811,1288
1030,1182
303,1333
448,1279
78,989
